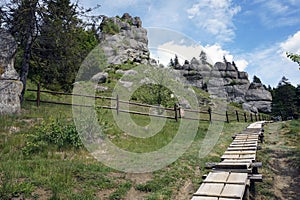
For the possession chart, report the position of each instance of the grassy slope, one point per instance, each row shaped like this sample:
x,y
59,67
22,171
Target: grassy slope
x,y
281,160
74,174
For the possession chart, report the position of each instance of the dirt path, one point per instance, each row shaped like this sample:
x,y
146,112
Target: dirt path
x,y
285,176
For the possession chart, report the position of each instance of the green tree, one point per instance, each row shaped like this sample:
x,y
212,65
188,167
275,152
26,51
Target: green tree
x,y
20,18
294,57
285,100
176,61
171,64
62,45
52,39
256,80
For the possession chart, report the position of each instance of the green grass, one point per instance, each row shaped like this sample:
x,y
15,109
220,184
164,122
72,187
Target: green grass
x,y
70,173
281,141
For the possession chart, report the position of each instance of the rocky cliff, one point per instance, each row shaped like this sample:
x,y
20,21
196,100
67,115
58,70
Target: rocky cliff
x,y
223,80
124,39
10,86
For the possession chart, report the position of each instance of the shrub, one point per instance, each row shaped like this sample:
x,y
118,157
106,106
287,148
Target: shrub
x,y
57,133
110,27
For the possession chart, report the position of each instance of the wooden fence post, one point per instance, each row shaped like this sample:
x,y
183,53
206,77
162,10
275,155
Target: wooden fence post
x,y
176,114
38,94
245,116
251,117
227,118
237,116
209,112
118,104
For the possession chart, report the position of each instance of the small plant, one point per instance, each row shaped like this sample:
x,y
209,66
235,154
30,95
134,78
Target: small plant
x,y
121,191
110,27
58,133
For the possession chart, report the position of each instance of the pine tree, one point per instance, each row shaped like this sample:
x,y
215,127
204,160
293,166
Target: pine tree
x,y
256,80
171,64
285,100
20,19
61,47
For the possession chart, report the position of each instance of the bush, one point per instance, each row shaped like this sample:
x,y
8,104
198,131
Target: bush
x,y
57,133
110,27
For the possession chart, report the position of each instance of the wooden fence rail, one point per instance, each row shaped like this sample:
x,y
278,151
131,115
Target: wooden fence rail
x,y
178,112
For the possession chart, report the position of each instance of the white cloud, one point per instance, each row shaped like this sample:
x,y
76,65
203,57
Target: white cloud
x,y
215,17
278,13
214,53
292,44
168,50
271,64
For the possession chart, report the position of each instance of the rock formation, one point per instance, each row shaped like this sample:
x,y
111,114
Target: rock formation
x,y
124,39
226,82
10,86
258,97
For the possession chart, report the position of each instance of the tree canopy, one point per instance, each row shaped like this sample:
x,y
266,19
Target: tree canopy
x,y
54,37
286,100
294,57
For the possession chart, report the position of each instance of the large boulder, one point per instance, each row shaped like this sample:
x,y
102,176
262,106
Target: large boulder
x,y
126,41
258,96
257,92
100,77
10,86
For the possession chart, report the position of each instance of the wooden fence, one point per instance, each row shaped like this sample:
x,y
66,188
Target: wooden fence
x,y
174,113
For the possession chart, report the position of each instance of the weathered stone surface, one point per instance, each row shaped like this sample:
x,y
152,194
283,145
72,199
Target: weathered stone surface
x,y
100,88
100,77
127,72
259,97
223,80
10,91
10,86
250,108
129,44
8,50
226,82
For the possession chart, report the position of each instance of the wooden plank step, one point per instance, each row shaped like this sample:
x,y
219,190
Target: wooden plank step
x,y
241,148
204,198
210,189
233,165
243,145
219,177
245,140
233,191
238,157
241,160
239,152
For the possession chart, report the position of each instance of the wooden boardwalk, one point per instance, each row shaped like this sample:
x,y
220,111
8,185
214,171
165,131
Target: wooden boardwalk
x,y
235,175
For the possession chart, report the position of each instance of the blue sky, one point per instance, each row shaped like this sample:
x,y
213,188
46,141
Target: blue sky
x,y
254,33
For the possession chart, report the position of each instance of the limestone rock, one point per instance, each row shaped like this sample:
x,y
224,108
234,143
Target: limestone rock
x,y
10,91
259,97
100,77
128,43
10,86
250,108
8,50
127,72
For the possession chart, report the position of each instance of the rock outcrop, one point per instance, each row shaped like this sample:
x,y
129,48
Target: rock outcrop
x,y
227,82
10,86
125,40
258,97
